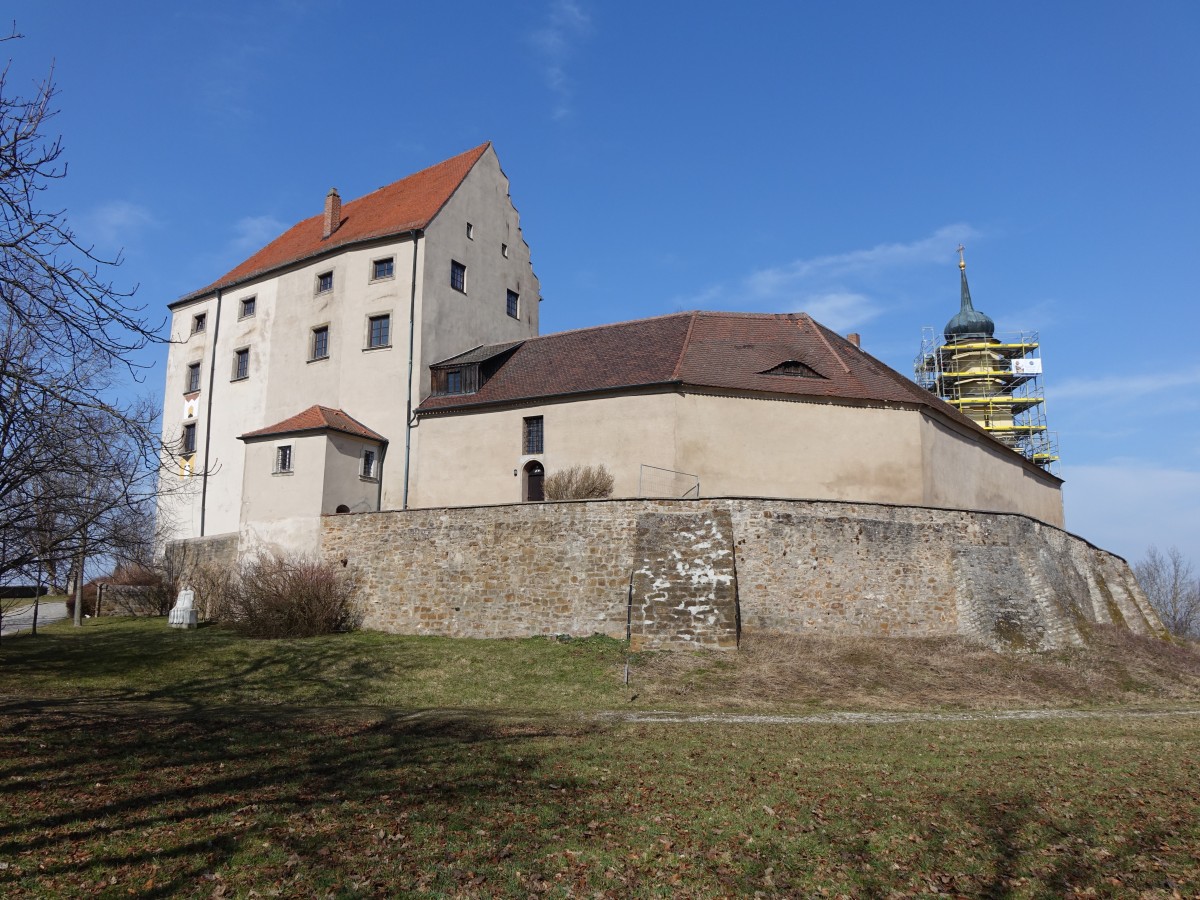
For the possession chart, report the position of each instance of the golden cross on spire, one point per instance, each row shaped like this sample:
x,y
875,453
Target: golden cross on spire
x,y
962,263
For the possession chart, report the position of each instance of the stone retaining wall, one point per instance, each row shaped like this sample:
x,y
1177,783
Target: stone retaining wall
x,y
697,572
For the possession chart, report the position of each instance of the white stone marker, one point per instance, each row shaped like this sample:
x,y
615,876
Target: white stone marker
x,y
182,615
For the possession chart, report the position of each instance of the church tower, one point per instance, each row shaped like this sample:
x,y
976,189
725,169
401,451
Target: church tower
x,y
996,381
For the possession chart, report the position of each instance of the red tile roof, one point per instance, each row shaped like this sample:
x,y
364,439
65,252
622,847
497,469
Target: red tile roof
x,y
700,349
406,205
317,418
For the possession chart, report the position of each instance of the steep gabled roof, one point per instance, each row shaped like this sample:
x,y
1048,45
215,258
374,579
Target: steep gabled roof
x,y
405,205
735,351
317,418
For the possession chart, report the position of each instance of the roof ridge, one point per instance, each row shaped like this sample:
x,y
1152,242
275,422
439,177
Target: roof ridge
x,y
687,340
824,340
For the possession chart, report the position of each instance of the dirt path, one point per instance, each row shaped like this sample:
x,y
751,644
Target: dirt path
x,y
886,718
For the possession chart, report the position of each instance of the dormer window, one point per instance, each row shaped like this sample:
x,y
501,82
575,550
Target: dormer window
x,y
454,381
794,368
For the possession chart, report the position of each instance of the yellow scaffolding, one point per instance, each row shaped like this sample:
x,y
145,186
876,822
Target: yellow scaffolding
x,y
997,383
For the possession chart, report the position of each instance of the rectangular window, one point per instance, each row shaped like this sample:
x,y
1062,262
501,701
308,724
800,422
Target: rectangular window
x,y
283,458
241,364
514,304
193,378
534,441
188,443
199,321
324,282
454,381
368,464
458,276
247,308
382,268
379,331
320,343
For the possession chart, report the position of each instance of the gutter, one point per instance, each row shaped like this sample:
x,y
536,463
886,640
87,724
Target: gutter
x,y
408,407
212,377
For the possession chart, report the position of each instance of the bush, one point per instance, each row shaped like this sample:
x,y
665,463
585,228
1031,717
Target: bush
x,y
579,483
287,597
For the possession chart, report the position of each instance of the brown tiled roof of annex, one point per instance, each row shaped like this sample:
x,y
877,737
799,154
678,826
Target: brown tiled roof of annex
x,y
405,205
317,418
701,349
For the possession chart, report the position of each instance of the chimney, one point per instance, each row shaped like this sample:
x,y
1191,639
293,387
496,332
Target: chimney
x,y
333,212
854,338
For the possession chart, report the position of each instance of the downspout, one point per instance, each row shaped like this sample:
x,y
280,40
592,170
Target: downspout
x,y
412,317
212,376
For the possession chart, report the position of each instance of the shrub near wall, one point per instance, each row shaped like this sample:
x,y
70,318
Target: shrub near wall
x,y
792,566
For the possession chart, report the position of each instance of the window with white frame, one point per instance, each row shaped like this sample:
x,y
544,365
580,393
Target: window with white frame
x,y
193,378
283,459
514,304
199,322
368,464
458,276
324,282
246,307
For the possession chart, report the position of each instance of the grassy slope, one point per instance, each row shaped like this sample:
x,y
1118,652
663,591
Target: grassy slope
x,y
140,659
198,786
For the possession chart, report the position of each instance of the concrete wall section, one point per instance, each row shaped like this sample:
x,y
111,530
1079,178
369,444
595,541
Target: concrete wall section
x,y
798,567
469,458
964,471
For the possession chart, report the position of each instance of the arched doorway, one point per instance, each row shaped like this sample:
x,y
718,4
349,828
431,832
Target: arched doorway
x,y
534,476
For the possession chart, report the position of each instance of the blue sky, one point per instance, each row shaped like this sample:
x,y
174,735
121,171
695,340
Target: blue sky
x,y
760,156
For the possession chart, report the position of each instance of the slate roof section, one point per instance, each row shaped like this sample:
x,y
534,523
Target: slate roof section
x,y
723,350
405,205
317,418
478,354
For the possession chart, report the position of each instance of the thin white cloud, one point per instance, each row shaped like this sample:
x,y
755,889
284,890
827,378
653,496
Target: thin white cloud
x,y
861,263
253,232
1125,505
1121,388
566,24
116,224
839,310
835,289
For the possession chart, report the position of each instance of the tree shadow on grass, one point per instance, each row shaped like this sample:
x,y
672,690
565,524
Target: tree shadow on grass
x,y
156,804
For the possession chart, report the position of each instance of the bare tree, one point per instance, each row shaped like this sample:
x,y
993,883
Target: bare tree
x,y
1171,584
77,468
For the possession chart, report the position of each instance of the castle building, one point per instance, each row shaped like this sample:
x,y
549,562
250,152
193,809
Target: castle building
x,y
385,355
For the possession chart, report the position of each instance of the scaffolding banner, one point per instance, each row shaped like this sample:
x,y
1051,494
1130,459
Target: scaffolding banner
x,y
1027,367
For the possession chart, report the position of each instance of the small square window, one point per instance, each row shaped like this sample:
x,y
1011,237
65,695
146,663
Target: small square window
x,y
533,439
283,459
187,443
193,378
514,304
320,343
470,232
382,268
504,250
458,276
379,330
199,322
247,307
368,464
241,364
324,282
